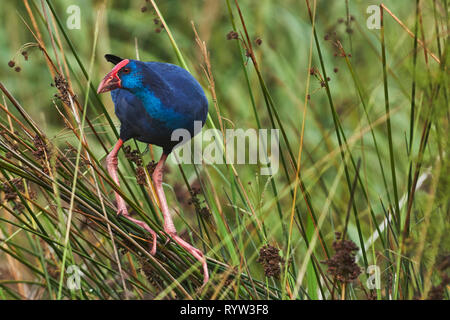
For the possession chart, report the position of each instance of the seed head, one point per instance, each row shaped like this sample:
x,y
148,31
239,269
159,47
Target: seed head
x,y
232,35
270,259
140,175
342,265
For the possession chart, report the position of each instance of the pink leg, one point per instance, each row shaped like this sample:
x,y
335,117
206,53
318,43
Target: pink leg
x,y
169,227
111,163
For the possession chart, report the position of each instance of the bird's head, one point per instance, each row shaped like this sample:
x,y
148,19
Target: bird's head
x,y
126,75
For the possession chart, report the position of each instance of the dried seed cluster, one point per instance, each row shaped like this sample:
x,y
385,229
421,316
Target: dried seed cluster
x,y
151,166
140,175
136,157
63,87
348,23
232,35
342,265
9,188
133,155
316,73
271,260
150,273
12,63
159,25
247,46
125,246
335,40
198,204
25,55
42,151
11,195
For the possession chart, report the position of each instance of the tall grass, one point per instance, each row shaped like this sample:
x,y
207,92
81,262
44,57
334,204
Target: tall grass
x,y
363,178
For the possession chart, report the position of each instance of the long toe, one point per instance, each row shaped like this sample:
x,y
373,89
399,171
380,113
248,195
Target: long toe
x,y
196,253
146,228
153,250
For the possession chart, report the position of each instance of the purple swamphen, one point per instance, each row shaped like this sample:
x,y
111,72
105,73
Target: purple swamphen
x,y
151,100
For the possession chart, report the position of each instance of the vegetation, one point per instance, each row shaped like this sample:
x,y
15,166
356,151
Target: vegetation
x,y
362,188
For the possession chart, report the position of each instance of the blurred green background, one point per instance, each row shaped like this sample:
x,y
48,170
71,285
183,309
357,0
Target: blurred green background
x,y
285,30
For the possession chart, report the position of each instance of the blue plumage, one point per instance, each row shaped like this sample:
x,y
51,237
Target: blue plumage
x,y
155,99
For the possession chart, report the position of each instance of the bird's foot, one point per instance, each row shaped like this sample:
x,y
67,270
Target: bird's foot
x,y
193,251
121,207
124,213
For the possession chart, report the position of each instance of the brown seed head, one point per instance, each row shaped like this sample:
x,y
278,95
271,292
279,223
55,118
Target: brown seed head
x,y
342,265
270,259
232,35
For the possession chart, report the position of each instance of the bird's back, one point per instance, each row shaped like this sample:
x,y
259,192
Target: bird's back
x,y
189,95
181,102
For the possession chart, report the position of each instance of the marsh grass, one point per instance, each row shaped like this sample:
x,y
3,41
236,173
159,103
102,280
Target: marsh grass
x,y
363,180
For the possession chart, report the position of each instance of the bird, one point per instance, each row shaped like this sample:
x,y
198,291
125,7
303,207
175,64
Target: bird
x,y
152,100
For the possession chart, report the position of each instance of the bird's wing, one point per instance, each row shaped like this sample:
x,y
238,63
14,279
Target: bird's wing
x,y
189,95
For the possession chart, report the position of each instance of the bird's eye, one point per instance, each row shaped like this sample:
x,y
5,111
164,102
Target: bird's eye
x,y
126,70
